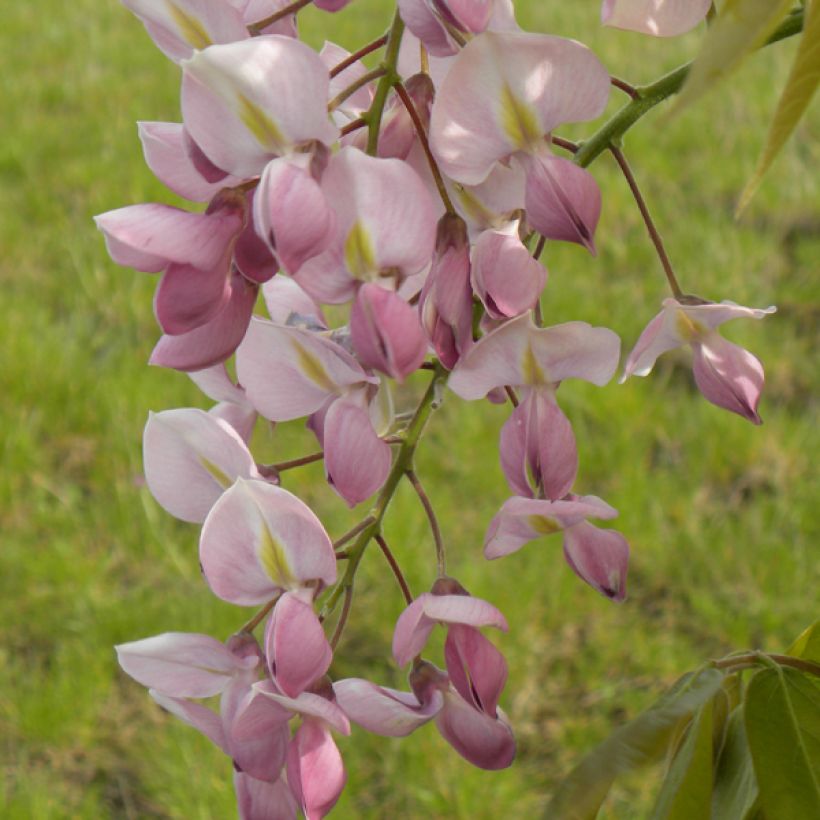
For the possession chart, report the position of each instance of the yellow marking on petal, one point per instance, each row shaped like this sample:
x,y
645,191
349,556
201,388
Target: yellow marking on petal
x,y
543,525
531,370
274,561
360,255
312,367
217,474
189,27
260,124
687,327
519,121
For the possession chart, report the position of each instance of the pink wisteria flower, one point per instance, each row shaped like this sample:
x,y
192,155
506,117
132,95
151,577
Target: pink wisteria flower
x,y
661,18
726,374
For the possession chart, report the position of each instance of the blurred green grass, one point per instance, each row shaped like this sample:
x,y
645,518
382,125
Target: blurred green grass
x,y
721,516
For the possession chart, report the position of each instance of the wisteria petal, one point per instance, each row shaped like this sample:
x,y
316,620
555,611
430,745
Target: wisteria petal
x,y
657,337
258,539
485,741
187,297
599,557
315,769
256,11
216,384
290,212
661,18
476,668
295,645
728,376
384,711
521,520
359,101
149,237
180,664
251,254
258,736
179,27
386,332
261,800
289,372
190,459
309,705
357,461
245,103
505,92
200,717
289,304
214,341
713,314
421,20
164,150
398,132
504,275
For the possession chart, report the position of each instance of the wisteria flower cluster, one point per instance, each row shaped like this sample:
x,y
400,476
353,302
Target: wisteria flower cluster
x,y
420,195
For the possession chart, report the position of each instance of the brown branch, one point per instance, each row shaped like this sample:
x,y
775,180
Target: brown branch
x,y
362,525
257,28
624,86
357,55
431,517
396,569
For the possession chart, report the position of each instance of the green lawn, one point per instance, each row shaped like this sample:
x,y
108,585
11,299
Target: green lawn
x,y
721,516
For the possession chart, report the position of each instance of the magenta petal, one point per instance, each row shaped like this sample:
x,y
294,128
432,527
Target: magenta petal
x,y
316,772
200,717
258,736
476,668
728,375
563,201
485,741
357,461
187,297
180,664
214,341
661,18
472,16
261,800
250,254
191,458
386,332
521,520
599,557
384,711
297,650
259,539
290,212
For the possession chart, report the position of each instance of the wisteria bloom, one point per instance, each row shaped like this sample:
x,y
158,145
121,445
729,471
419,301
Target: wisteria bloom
x,y
727,375
661,18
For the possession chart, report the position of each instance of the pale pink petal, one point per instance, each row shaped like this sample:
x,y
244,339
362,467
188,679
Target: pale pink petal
x,y
657,337
308,705
412,630
476,668
398,131
165,154
712,314
261,800
258,539
289,372
521,520
315,769
248,102
537,448
471,16
661,18
422,21
504,275
288,304
386,219
242,417
179,27
149,237
258,736
297,650
325,278
599,557
357,461
485,741
384,711
257,10
290,212
505,92
190,459
200,717
216,384
728,375
214,341
563,201
386,332
180,664
359,101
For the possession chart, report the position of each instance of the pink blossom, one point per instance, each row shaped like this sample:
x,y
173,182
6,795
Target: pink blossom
x,y
662,18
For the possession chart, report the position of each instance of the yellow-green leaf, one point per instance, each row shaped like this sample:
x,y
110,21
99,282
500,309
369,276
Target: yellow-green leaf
x,y
807,644
735,787
795,99
740,28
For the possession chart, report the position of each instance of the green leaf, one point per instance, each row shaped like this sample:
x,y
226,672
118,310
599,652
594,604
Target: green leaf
x,y
642,741
782,717
741,27
795,99
723,704
735,790
807,645
687,789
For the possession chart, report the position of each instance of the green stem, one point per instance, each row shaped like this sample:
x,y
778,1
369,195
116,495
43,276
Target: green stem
x,y
649,96
391,57
377,72
402,463
749,659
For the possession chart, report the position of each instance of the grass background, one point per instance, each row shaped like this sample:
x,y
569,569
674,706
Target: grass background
x,y
721,516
